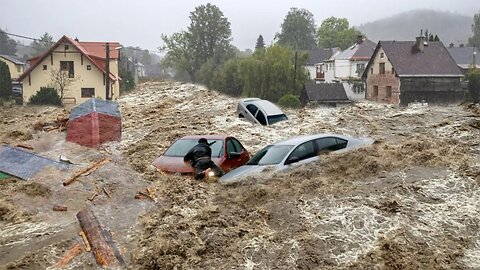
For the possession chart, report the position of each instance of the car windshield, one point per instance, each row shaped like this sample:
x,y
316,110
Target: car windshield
x,y
181,147
272,119
270,155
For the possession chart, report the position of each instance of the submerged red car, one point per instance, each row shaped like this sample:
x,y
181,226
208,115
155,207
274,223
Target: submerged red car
x,y
227,152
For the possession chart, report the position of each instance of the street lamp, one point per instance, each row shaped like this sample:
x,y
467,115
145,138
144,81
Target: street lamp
x,y
107,70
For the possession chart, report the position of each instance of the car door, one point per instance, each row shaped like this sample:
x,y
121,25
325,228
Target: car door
x,y
236,155
252,112
303,153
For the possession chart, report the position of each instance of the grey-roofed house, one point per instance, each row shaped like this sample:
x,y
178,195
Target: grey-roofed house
x,y
464,57
15,65
330,94
315,63
402,72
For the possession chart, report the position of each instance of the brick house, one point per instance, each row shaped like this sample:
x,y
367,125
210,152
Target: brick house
x,y
401,72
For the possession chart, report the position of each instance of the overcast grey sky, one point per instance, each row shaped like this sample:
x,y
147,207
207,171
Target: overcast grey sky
x,y
141,23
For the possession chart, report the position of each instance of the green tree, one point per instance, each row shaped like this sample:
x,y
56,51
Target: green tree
x,y
45,96
42,44
336,32
8,46
260,43
267,74
297,30
127,83
208,37
474,84
475,39
5,81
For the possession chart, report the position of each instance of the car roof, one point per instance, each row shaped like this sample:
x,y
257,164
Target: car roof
x,y
267,106
208,137
303,138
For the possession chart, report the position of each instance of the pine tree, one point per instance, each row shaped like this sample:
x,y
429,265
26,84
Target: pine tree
x,y
260,43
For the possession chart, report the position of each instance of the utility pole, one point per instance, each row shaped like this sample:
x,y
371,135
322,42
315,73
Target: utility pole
x,y
107,71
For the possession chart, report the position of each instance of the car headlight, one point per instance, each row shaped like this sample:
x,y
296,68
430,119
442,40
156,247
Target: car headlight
x,y
211,173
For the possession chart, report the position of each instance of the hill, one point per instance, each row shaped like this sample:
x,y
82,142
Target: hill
x,y
450,27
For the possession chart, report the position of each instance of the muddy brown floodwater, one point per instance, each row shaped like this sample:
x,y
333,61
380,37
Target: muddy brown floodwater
x,y
411,200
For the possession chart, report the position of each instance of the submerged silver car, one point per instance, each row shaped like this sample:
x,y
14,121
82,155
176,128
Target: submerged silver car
x,y
294,151
260,111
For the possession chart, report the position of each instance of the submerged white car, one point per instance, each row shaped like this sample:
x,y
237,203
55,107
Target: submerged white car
x,y
260,111
294,151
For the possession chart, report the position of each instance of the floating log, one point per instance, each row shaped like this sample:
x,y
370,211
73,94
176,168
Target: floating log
x,y
104,250
26,146
73,252
86,171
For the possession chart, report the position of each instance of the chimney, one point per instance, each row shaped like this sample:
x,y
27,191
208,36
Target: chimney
x,y
359,39
420,43
451,45
76,39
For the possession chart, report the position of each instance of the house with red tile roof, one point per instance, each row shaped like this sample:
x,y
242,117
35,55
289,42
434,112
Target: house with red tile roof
x,y
81,65
403,72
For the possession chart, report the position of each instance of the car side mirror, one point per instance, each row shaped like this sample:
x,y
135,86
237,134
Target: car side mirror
x,y
293,160
234,155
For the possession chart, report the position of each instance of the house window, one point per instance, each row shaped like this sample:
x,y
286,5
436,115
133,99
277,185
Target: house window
x,y
68,66
360,68
382,55
18,69
393,70
375,91
66,47
88,92
44,67
371,70
89,67
389,91
382,68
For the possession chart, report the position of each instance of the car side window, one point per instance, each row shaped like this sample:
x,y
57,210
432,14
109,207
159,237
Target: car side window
x,y
237,144
230,147
261,118
330,144
252,109
303,151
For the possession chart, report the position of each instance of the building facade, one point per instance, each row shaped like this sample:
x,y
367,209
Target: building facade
x,y
81,68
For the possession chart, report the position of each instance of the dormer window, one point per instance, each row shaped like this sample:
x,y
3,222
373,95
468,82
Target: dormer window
x,y
66,47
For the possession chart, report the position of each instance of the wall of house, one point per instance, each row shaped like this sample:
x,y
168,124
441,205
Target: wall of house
x,y
342,69
431,90
382,81
15,70
84,78
329,72
312,71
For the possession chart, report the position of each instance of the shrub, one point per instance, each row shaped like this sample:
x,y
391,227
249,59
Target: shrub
x,y
127,83
474,85
5,81
289,101
46,95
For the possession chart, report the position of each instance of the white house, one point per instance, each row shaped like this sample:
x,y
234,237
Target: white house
x,y
349,65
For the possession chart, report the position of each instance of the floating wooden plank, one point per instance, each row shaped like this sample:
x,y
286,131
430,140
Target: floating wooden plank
x,y
26,146
85,241
60,208
73,252
104,250
87,170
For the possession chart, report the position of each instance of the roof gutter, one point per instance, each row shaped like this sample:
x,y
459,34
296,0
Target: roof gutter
x,y
430,75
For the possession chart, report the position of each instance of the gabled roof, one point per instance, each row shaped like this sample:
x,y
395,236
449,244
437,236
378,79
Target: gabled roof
x,y
463,56
318,56
362,51
23,164
91,50
326,92
12,59
95,105
434,61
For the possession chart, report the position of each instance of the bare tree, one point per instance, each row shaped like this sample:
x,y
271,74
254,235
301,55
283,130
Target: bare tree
x,y
61,81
